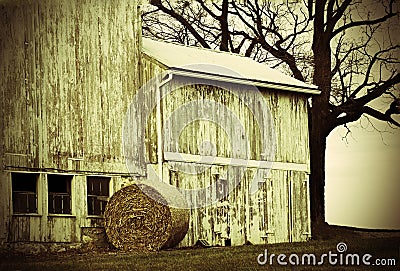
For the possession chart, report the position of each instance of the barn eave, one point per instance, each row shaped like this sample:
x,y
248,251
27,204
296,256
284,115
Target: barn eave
x,y
195,62
243,81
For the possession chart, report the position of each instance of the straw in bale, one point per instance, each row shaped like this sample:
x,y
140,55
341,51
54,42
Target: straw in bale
x,y
149,216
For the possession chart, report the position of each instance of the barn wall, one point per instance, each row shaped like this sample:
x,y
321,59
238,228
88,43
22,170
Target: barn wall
x,y
288,111
140,134
68,72
278,211
45,227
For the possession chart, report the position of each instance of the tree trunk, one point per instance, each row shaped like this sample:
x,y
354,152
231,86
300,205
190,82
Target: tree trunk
x,y
317,178
319,119
319,116
224,46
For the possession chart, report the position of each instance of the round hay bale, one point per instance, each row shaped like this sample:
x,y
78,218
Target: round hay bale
x,y
139,217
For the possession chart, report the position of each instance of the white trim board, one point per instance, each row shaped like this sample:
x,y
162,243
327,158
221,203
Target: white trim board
x,y
224,161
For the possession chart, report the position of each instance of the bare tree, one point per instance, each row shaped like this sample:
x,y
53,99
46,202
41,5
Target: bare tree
x,y
347,48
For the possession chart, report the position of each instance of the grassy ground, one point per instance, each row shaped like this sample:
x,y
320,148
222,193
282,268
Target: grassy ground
x,y
223,258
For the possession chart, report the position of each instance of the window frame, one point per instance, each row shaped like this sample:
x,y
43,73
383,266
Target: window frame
x,y
25,192
91,197
69,187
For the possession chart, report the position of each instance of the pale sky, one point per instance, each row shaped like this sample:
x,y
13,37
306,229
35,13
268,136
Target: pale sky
x,y
363,177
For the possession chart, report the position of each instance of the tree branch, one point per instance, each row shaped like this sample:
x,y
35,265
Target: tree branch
x,y
250,48
369,69
375,92
351,116
278,51
387,116
204,6
362,23
238,13
182,20
334,18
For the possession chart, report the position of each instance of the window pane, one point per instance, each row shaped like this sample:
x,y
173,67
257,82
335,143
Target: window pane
x,y
32,203
59,189
24,192
91,205
19,203
59,183
97,207
67,204
90,185
98,186
98,194
59,203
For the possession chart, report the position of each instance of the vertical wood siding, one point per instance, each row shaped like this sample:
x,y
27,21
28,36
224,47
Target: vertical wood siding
x,y
277,212
288,110
68,70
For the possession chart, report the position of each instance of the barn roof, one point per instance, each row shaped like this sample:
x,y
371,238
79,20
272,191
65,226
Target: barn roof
x,y
204,63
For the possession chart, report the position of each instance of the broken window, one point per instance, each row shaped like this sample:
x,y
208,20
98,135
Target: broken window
x,y
98,190
59,187
24,192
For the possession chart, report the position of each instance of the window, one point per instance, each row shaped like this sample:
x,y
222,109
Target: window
x,y
24,192
221,187
98,194
59,187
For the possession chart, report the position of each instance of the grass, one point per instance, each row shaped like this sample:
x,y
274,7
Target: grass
x,y
217,258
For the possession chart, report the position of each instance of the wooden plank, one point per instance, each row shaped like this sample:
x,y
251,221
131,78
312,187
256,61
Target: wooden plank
x,y
42,196
235,162
5,206
289,113
273,214
280,209
258,203
35,229
238,200
61,229
300,209
20,228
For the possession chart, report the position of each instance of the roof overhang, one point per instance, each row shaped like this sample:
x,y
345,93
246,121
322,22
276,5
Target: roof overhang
x,y
242,81
219,66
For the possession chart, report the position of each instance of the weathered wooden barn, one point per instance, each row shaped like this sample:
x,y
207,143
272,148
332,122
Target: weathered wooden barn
x,y
68,71
71,70
201,142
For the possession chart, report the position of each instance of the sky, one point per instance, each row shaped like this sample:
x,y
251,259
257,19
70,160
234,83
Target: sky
x,y
363,171
363,176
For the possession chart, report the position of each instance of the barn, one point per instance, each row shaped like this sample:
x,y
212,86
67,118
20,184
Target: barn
x,y
233,137
64,67
88,105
